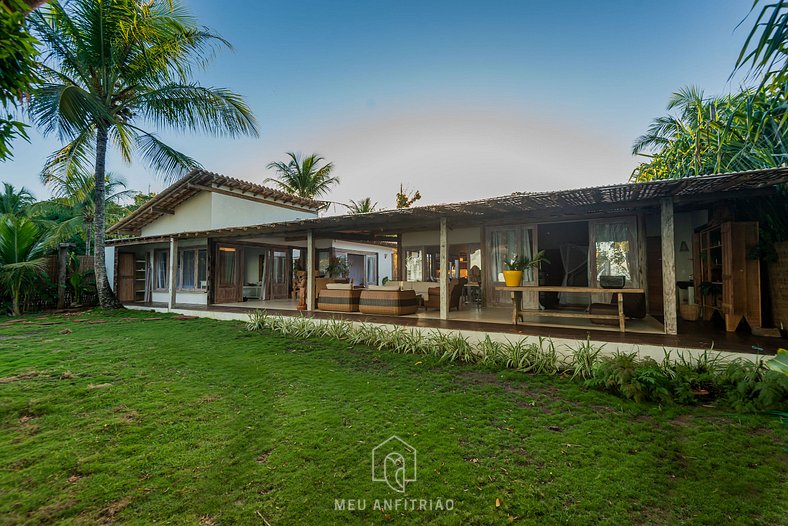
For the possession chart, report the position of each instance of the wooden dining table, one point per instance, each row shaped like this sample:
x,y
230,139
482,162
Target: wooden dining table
x,y
518,313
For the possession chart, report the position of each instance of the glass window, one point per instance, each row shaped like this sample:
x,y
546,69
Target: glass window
x,y
226,262
202,268
414,269
614,250
503,246
506,243
161,265
187,264
372,270
323,259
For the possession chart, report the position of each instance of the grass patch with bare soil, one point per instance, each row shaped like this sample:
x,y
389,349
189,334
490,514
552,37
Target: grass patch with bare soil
x,y
193,421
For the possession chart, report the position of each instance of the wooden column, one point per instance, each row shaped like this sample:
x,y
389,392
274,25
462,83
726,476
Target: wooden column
x,y
444,270
310,272
172,282
400,268
642,259
668,266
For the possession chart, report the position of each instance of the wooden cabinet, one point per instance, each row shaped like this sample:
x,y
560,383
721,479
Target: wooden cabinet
x,y
727,279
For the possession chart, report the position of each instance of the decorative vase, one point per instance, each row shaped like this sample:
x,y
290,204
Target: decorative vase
x,y
513,278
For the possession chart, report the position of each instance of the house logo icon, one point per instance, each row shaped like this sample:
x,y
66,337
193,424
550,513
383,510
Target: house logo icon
x,y
394,462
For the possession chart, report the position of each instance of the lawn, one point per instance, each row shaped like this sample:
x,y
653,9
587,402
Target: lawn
x,y
114,418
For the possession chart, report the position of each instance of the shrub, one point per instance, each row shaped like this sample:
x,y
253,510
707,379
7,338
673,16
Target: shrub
x,y
684,379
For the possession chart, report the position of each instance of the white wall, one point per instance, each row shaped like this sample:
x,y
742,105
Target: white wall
x,y
229,211
109,263
188,298
684,225
190,216
209,210
385,256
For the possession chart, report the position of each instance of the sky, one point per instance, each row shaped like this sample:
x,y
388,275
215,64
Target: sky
x,y
459,100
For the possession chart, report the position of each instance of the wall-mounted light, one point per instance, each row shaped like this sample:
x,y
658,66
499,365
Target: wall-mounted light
x,y
683,247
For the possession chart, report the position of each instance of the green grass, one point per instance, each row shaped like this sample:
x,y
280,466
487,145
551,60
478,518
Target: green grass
x,y
201,422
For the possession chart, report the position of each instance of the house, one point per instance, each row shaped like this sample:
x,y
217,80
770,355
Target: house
x,y
623,261
185,249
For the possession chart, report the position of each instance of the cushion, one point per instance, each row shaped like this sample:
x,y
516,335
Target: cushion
x,y
383,287
339,286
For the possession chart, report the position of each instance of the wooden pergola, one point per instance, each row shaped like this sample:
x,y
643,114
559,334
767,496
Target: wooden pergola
x,y
665,196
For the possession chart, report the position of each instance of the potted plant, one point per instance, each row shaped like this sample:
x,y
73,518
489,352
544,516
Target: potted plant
x,y
517,265
337,268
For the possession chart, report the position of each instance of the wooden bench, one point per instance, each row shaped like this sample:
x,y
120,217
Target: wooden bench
x,y
518,313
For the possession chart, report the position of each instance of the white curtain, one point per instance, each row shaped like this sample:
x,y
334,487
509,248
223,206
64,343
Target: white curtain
x,y
575,261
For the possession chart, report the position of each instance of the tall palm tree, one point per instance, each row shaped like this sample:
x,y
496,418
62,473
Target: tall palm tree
x,y
362,206
303,176
23,245
113,66
13,201
75,204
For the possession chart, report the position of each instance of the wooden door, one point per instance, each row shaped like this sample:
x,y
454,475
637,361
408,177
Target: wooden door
x,y
126,276
656,305
229,287
280,273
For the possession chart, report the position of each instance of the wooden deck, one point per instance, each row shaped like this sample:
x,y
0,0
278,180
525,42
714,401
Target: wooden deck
x,y
692,335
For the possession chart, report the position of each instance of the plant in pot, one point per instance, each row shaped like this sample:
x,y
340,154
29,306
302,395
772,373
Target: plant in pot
x,y
337,268
517,266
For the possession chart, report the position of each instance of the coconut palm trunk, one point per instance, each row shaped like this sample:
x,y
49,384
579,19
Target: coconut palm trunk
x,y
106,296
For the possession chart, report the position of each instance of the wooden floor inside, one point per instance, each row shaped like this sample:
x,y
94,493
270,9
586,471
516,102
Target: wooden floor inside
x,y
693,335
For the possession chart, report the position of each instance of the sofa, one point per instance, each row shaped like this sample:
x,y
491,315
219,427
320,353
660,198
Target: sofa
x,y
339,298
388,302
455,294
420,287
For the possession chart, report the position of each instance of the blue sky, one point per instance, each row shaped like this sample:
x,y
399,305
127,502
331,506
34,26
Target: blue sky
x,y
456,99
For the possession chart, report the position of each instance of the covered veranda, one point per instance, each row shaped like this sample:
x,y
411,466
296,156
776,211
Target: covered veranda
x,y
649,211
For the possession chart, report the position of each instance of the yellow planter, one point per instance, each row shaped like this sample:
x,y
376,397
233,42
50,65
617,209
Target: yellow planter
x,y
513,278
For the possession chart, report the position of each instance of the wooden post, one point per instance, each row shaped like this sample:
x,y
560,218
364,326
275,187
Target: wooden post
x,y
444,271
173,273
668,266
62,270
642,256
400,269
310,272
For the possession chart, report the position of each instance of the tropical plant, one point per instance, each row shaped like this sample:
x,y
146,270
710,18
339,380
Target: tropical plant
x,y
405,198
362,206
18,66
81,282
13,201
764,51
303,176
707,135
524,263
75,206
337,267
23,245
112,66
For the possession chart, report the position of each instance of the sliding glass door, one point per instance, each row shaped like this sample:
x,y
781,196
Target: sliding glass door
x,y
614,251
504,243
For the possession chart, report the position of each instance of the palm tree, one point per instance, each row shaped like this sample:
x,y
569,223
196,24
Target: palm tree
x,y
23,245
362,206
112,66
74,204
303,177
15,202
